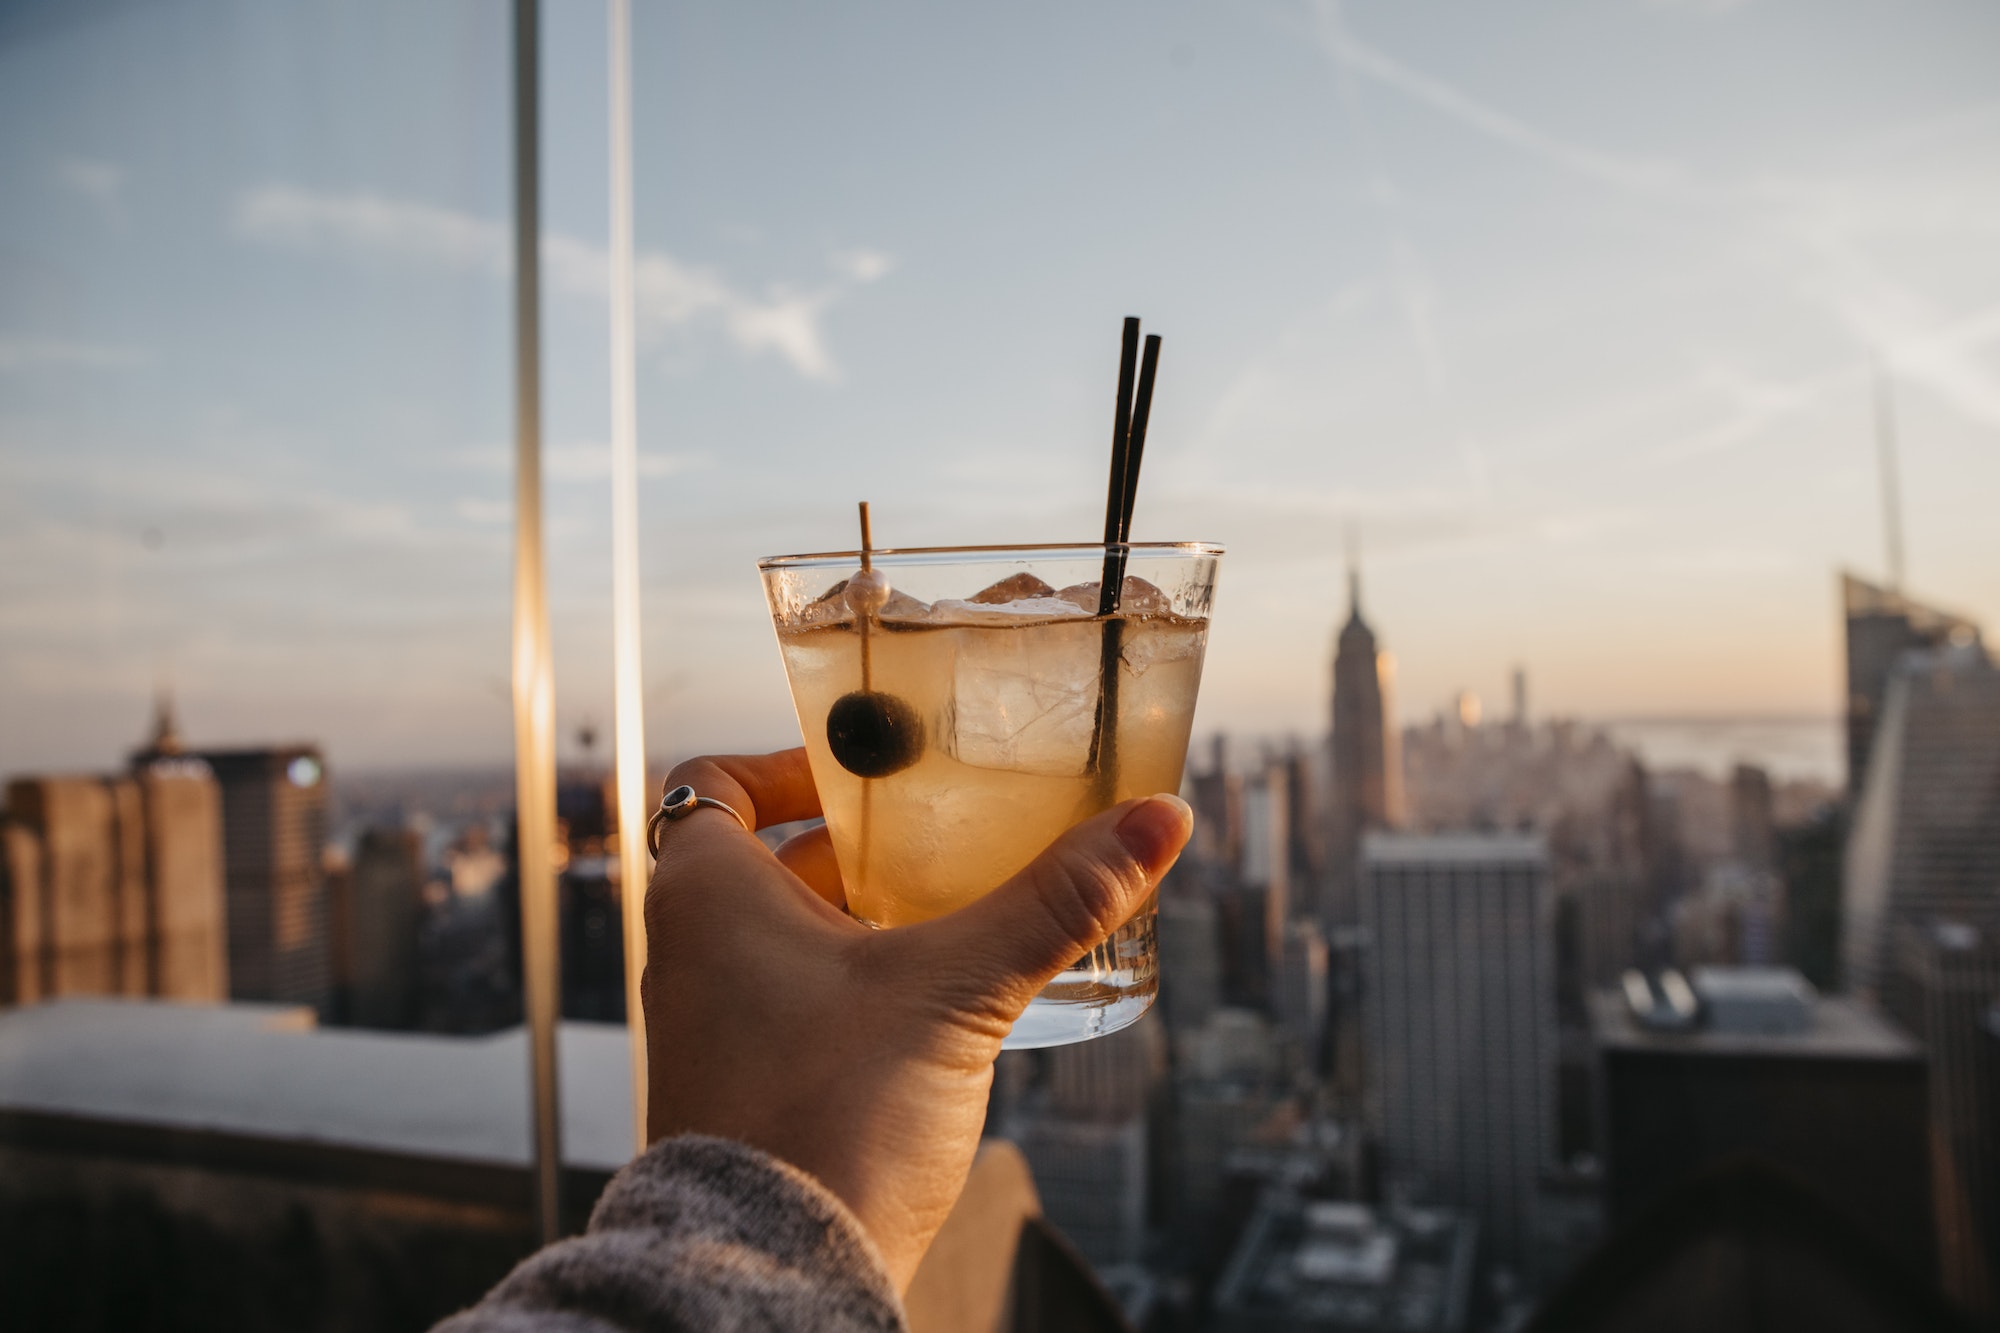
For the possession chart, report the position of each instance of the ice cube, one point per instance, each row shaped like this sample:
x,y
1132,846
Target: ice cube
x,y
1014,588
1027,701
832,608
1149,642
1141,598
829,608
902,606
953,611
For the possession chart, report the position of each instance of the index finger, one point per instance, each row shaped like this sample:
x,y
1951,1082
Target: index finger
x,y
765,789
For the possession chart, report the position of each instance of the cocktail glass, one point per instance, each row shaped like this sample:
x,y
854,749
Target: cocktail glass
x,y
963,706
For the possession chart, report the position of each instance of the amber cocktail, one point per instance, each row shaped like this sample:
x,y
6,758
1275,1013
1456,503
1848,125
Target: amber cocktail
x,y
962,707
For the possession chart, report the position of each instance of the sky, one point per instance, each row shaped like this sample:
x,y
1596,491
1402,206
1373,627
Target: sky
x,y
1565,315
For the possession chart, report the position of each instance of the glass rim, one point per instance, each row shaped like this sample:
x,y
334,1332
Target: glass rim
x,y
918,555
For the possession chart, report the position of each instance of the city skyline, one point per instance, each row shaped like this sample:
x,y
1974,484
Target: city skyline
x,y
1589,373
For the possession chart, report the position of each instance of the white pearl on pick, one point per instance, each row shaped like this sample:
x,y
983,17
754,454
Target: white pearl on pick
x,y
868,592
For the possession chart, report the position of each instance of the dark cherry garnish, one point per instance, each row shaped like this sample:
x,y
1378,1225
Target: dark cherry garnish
x,y
873,734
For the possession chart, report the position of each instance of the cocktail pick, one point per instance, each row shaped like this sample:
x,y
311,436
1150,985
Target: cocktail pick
x,y
871,734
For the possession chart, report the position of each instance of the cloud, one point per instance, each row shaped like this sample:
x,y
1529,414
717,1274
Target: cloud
x,y
1815,230
1942,360
31,353
1414,286
1920,343
101,182
577,460
862,265
475,510
1938,355
1633,175
589,460
670,293
288,217
1723,562
1754,404
1815,233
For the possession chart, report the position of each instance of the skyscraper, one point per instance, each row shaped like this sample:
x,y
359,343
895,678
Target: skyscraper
x,y
1752,824
1944,982
1365,785
1190,953
1305,788
1832,1095
1458,1013
1299,993
1882,625
186,936
85,920
1086,1139
1091,1176
1925,842
21,970
1218,811
112,885
1267,862
374,925
1611,893
274,834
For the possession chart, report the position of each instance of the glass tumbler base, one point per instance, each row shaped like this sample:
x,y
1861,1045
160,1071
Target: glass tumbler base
x,y
1109,988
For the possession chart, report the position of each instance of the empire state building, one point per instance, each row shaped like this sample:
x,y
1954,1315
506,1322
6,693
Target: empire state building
x,y
1367,781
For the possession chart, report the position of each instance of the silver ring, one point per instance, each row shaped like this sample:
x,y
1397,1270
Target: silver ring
x,y
679,803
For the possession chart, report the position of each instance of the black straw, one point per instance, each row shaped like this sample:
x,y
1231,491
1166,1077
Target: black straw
x,y
1128,445
1135,448
1116,505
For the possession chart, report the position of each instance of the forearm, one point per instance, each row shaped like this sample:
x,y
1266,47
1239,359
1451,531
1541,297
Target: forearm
x,y
700,1233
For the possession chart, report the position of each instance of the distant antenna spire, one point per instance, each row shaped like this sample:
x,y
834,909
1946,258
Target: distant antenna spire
x,y
166,730
1354,568
1892,499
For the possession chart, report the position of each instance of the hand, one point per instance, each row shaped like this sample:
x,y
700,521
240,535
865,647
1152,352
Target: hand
x,y
860,1056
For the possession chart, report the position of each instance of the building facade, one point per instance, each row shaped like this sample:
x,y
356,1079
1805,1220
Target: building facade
x,y
377,909
274,825
1882,625
1459,1022
1838,1103
1309,1266
1091,1175
1942,988
113,885
1366,786
1925,840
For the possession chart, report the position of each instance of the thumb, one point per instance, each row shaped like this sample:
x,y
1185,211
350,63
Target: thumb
x,y
1012,942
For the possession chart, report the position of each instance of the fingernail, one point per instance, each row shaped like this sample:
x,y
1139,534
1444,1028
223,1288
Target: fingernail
x,y
1154,830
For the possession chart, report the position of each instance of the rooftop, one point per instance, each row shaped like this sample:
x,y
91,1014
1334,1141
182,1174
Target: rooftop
x,y
1752,983
1431,848
263,1071
1768,1000
1840,1029
1348,1266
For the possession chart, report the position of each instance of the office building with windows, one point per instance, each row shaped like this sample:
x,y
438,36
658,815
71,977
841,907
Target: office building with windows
x,y
274,826
1942,987
1925,839
1458,1013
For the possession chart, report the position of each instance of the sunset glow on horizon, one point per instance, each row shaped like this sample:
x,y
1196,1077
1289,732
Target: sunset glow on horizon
x,y
1568,318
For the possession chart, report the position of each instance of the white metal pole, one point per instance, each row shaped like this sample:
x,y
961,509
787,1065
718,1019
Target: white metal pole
x,y
534,678
628,695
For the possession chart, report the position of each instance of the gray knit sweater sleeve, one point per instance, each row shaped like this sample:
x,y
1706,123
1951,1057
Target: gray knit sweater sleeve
x,y
700,1234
